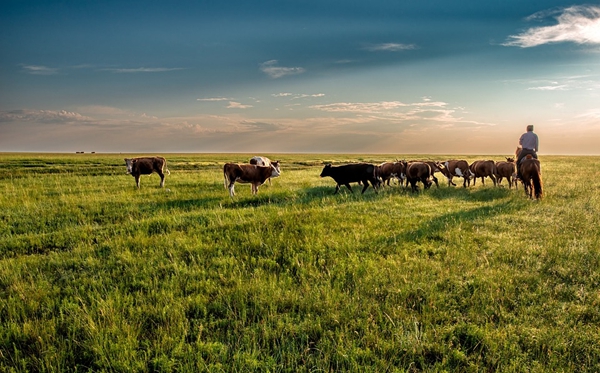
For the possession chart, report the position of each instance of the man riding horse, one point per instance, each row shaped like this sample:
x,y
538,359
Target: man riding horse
x,y
528,144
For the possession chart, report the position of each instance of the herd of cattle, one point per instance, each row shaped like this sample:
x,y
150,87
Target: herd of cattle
x,y
261,169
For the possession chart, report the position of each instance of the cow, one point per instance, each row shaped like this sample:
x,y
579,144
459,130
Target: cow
x,y
247,173
388,170
352,173
146,166
507,170
483,169
452,168
264,161
418,171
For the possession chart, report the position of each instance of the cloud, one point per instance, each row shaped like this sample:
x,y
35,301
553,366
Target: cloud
x,y
43,116
549,88
261,126
143,70
578,24
40,70
276,72
237,105
295,96
389,47
212,99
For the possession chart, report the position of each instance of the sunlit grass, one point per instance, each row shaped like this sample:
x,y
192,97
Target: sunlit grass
x,y
98,275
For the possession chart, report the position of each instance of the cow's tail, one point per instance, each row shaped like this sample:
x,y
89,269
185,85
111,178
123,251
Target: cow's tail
x,y
167,167
537,184
226,179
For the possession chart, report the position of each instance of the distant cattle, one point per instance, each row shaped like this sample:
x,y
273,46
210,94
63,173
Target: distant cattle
x,y
459,168
247,173
507,170
389,170
264,161
146,166
352,173
418,171
483,169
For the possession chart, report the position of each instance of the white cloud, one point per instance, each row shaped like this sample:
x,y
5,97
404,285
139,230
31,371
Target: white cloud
x,y
270,68
300,95
144,70
237,105
578,24
211,99
42,116
389,47
549,88
40,70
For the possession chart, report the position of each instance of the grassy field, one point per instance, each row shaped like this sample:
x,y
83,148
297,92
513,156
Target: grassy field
x,y
96,275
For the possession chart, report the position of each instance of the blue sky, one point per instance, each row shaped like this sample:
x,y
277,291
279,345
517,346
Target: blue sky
x,y
446,77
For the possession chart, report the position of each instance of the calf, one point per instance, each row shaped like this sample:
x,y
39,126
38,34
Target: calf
x,y
146,166
507,170
264,161
247,173
418,171
352,173
388,170
483,169
454,168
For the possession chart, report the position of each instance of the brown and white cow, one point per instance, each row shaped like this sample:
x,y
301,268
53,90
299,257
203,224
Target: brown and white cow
x,y
247,173
266,162
507,170
418,171
458,168
146,166
389,170
483,169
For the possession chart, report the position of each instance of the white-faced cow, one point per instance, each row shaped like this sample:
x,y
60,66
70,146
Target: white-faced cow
x,y
458,168
507,170
146,166
247,173
418,171
352,173
266,162
483,169
389,170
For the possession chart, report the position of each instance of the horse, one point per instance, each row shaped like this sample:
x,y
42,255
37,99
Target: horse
x,y
531,176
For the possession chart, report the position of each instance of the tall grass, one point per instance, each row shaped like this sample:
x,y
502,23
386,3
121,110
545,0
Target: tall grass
x,y
96,275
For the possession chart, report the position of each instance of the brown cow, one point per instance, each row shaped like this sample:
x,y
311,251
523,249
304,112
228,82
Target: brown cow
x,y
146,166
507,170
264,161
454,168
388,170
247,173
483,169
418,171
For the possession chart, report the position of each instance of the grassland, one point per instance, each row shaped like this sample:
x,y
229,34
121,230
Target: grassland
x,y
96,275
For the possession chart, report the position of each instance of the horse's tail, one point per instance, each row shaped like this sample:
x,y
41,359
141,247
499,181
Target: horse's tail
x,y
536,177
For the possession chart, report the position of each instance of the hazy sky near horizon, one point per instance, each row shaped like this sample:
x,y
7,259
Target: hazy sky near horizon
x,y
379,76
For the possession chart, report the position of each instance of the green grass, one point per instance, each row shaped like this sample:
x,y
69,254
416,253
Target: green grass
x,y
96,275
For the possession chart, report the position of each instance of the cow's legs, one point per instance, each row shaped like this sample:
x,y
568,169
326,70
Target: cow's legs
x,y
137,181
231,189
337,189
366,185
350,188
162,179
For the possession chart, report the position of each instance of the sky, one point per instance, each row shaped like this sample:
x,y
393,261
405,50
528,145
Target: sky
x,y
302,76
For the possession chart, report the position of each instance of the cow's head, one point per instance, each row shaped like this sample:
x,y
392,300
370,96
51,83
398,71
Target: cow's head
x,y
277,166
275,171
326,170
129,163
509,159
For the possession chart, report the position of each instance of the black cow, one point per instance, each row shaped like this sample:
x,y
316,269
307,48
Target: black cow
x,y
352,173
